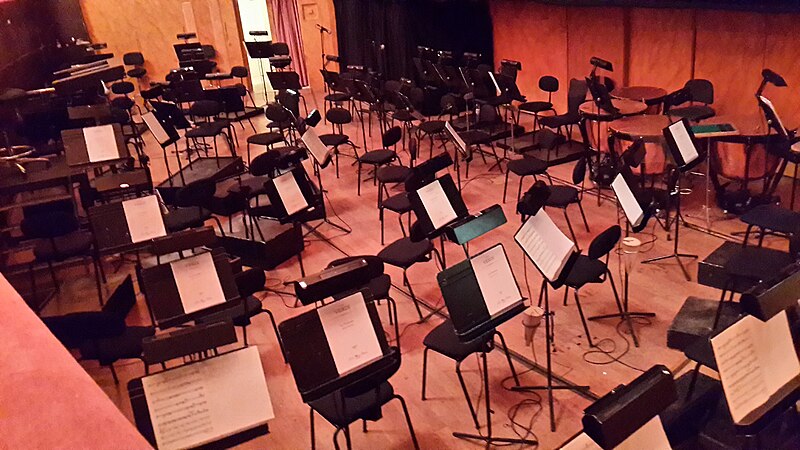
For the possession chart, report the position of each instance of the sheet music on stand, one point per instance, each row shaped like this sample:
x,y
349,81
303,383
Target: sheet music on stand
x,y
198,283
460,144
290,194
144,219
634,210
203,402
757,362
437,205
495,279
547,246
498,92
159,130
682,144
319,151
349,332
779,125
101,143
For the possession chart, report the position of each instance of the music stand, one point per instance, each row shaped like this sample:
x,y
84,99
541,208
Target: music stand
x,y
161,125
474,315
555,277
462,148
260,50
684,149
92,147
111,224
285,81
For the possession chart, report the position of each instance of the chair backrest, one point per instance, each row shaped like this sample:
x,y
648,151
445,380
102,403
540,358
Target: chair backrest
x,y
265,164
209,52
576,94
289,101
239,71
604,242
49,224
579,171
338,116
122,87
280,48
701,91
133,59
197,193
546,139
277,113
488,114
250,281
205,108
122,300
392,136
548,84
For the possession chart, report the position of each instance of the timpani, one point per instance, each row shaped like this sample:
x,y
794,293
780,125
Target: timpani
x,y
595,117
652,96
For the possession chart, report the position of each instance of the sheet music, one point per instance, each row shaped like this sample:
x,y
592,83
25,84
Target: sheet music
x,y
436,204
650,436
144,219
349,332
318,150
156,128
495,279
198,282
769,104
581,442
545,244
209,400
684,142
755,360
101,143
290,193
633,211
459,141
497,90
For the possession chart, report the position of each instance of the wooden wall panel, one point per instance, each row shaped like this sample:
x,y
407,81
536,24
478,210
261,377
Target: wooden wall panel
x,y
536,35
595,32
783,56
313,12
217,25
730,53
661,42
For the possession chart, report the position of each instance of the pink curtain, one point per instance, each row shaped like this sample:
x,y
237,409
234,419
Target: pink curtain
x,y
286,28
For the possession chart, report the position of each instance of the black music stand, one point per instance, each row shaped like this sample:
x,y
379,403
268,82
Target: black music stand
x,y
474,226
111,231
287,81
471,318
77,150
161,123
260,50
684,149
461,148
556,283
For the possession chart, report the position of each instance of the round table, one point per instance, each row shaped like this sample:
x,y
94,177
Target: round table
x,y
649,95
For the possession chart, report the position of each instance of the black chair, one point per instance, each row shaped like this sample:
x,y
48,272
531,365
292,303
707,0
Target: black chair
x,y
338,118
398,173
280,59
279,118
58,237
547,84
241,73
135,59
153,94
575,97
561,196
398,203
530,165
770,218
482,133
444,341
336,88
191,207
207,124
590,269
404,253
103,335
699,94
380,157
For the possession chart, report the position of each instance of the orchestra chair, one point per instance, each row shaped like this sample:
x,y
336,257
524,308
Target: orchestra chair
x,y
279,118
561,196
190,208
338,117
576,95
530,165
699,94
395,173
103,335
57,236
137,72
382,156
591,269
398,203
337,90
444,341
770,218
207,124
405,253
155,93
241,73
280,59
547,84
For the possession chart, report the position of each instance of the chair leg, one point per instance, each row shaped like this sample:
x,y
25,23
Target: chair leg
x,y
413,297
508,357
53,276
380,217
364,425
566,295
347,438
519,188
466,395
277,335
583,318
335,440
583,215
114,373
424,371
358,184
571,231
408,421
505,185
313,437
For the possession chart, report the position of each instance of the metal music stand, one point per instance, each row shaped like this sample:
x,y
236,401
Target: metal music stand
x,y
260,50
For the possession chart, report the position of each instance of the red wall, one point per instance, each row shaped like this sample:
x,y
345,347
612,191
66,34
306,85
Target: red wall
x,y
658,47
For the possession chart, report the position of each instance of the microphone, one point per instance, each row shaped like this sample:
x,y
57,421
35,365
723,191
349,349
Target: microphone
x,y
532,318
601,63
323,29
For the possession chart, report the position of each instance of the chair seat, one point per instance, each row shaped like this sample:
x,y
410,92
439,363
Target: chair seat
x,y
404,253
398,203
180,219
475,137
137,72
334,140
378,157
432,126
560,120
756,263
562,196
281,125
127,345
693,112
527,166
586,270
341,411
393,174
67,246
207,129
337,97
443,340
773,217
265,139
535,107
250,186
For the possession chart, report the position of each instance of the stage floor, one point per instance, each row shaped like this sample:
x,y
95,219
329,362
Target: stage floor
x,y
660,288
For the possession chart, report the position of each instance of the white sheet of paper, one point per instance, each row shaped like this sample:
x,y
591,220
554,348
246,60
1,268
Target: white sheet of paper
x,y
198,282
318,150
755,359
290,193
101,144
581,442
144,218
633,211
349,332
497,90
651,437
459,141
436,204
156,128
192,405
496,280
547,246
768,102
684,142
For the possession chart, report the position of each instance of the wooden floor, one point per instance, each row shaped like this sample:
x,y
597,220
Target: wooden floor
x,y
660,288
